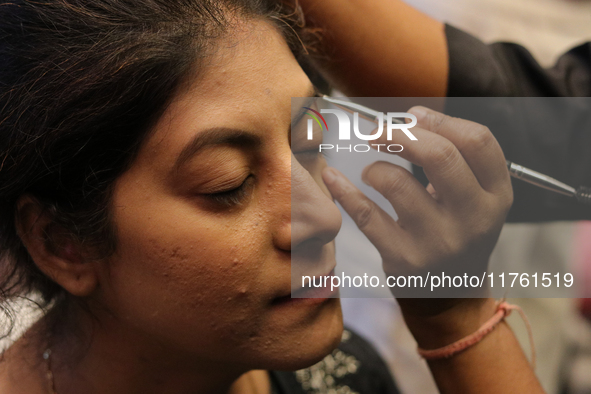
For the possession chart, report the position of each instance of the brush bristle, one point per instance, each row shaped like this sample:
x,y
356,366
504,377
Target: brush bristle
x,y
584,195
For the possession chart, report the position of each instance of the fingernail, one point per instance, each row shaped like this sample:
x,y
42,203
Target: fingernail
x,y
329,175
419,112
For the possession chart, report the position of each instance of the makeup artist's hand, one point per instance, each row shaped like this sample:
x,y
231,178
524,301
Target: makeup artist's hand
x,y
453,224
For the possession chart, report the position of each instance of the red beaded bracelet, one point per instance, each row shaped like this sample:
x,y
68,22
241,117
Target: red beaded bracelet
x,y
503,310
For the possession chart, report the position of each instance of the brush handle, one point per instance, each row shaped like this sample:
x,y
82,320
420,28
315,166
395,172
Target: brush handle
x,y
540,180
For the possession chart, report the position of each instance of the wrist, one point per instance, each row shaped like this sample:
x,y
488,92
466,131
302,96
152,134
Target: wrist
x,y
448,321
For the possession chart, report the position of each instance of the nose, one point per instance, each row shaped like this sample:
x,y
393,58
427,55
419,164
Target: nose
x,y
315,218
309,222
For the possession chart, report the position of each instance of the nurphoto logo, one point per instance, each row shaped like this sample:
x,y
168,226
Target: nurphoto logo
x,y
392,124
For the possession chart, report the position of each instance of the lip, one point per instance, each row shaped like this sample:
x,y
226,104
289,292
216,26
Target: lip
x,y
313,295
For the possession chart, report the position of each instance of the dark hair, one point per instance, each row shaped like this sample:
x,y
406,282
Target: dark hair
x,y
81,84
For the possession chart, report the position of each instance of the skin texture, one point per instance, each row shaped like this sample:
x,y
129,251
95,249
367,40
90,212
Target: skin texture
x,y
189,301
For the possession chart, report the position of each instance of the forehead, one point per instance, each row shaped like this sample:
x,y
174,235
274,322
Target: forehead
x,y
246,84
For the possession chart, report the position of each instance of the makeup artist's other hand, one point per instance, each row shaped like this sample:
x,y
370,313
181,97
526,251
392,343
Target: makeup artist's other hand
x,y
453,224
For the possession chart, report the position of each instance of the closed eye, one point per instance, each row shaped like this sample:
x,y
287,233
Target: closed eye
x,y
234,196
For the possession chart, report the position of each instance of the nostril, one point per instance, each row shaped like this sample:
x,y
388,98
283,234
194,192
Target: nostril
x,y
309,248
315,227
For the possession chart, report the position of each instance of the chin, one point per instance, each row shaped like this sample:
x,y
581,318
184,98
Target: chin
x,y
311,344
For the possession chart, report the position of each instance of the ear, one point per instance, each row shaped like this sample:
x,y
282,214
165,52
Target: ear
x,y
55,252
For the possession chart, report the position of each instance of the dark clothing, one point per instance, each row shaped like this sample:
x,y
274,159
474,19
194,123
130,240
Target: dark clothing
x,y
552,136
354,367
509,70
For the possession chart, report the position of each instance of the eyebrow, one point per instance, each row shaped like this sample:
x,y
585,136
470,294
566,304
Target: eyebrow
x,y
313,93
217,136
229,136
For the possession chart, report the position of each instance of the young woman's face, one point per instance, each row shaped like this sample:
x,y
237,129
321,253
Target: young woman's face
x,y
204,218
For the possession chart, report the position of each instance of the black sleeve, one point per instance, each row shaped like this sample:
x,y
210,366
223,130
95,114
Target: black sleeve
x,y
509,70
530,131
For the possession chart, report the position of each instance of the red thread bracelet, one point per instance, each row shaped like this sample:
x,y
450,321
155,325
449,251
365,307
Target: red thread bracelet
x,y
503,310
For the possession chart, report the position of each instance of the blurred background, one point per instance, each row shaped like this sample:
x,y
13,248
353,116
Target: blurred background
x,y
562,333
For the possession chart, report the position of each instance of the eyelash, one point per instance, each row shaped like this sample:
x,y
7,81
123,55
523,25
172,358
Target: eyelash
x,y
234,196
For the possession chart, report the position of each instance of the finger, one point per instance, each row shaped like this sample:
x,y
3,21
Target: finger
x,y
442,162
411,201
379,227
475,142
